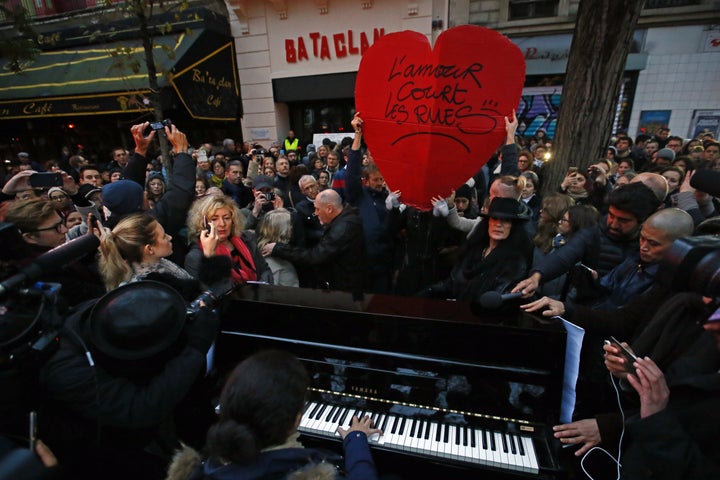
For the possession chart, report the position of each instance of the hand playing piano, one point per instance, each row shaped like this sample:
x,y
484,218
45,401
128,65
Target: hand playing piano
x,y
364,424
585,431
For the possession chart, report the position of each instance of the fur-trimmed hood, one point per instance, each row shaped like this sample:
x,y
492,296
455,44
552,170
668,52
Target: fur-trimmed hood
x,y
187,464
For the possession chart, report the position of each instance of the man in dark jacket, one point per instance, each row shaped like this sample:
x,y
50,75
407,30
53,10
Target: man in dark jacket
x,y
124,197
379,212
339,257
602,247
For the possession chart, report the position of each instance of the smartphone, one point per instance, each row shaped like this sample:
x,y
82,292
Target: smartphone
x,y
630,357
161,125
206,224
572,170
32,431
46,180
93,221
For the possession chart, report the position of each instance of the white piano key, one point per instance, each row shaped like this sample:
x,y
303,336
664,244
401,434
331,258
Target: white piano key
x,y
530,452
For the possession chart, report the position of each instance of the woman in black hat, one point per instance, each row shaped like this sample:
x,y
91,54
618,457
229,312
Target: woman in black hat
x,y
494,257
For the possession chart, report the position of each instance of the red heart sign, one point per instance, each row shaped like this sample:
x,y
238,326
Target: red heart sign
x,y
433,117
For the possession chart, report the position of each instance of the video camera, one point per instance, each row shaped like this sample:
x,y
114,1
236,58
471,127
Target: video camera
x,y
692,264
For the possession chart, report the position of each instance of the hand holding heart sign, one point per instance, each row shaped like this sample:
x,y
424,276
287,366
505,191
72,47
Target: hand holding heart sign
x,y
433,117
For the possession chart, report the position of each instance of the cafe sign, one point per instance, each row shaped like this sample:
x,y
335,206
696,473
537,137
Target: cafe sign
x,y
95,104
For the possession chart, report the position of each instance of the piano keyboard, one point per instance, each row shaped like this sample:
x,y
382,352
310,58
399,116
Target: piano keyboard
x,y
426,437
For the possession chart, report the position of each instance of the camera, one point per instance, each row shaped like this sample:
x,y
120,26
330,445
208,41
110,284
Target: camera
x,y
161,125
270,196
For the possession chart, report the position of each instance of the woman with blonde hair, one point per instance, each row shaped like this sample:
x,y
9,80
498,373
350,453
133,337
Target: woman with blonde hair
x,y
276,227
137,247
222,215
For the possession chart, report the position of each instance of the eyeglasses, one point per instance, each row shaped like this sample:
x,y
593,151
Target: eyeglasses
x,y
58,227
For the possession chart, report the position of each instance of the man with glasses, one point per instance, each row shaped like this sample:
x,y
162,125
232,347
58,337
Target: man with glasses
x,y
675,144
311,228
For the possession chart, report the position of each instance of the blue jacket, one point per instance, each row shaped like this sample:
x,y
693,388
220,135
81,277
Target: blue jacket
x,y
377,221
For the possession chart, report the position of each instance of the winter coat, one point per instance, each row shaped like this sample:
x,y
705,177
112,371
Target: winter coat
x,y
339,257
281,463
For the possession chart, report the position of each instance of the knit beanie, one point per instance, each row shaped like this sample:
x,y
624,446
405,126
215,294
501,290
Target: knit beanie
x,y
123,197
666,153
464,191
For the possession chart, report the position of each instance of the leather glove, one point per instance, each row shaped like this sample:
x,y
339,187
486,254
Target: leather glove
x,y
441,209
391,201
202,330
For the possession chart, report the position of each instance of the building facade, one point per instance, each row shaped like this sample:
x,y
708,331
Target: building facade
x,y
298,59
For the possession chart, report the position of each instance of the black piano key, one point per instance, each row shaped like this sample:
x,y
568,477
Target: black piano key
x,y
471,433
457,435
307,405
314,410
375,419
413,429
359,414
520,446
339,411
465,436
493,447
446,434
484,440
344,416
511,440
421,429
384,423
504,443
331,413
438,432
395,423
427,430
401,430
320,412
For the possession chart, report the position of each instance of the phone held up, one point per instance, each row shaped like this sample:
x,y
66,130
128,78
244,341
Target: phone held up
x,y
46,180
629,357
206,224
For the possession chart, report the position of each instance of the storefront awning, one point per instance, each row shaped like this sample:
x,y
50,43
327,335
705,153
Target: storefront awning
x,y
112,78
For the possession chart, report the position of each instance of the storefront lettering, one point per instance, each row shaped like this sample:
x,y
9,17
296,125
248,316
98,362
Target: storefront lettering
x,y
214,101
343,44
532,53
84,108
206,78
37,109
51,39
4,112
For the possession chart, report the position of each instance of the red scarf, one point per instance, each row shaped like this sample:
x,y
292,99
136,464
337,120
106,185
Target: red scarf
x,y
243,266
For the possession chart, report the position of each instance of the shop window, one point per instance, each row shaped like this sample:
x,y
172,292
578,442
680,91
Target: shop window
x,y
522,9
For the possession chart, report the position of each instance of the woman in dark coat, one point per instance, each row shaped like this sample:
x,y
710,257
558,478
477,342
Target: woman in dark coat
x,y
494,257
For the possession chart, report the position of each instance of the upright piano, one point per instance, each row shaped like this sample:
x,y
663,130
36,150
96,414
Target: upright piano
x,y
458,393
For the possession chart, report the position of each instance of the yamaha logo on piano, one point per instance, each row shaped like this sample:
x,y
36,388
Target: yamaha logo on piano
x,y
364,390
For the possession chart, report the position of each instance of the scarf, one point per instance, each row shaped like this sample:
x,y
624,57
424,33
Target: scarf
x,y
243,265
141,270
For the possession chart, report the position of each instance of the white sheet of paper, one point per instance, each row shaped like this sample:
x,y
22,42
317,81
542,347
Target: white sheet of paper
x,y
575,336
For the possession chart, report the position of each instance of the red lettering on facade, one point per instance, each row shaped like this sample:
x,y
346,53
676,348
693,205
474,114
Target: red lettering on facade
x,y
301,50
324,48
290,56
340,49
351,44
315,36
364,44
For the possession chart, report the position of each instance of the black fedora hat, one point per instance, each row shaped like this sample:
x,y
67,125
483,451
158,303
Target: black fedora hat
x,y
136,321
507,208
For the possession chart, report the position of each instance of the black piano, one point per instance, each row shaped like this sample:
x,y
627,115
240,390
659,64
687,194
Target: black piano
x,y
457,394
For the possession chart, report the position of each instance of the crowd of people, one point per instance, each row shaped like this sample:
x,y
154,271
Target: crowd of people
x,y
174,236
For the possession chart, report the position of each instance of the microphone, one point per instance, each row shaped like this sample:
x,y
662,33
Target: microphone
x,y
492,300
52,260
707,181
